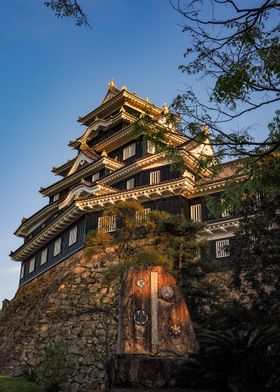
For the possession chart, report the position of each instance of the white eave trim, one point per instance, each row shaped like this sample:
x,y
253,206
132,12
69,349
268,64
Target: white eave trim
x,y
23,229
55,227
221,229
102,123
90,190
214,186
149,192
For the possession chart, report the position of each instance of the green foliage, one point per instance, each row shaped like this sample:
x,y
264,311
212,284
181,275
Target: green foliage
x,y
158,132
256,247
97,241
68,8
17,384
51,371
164,239
235,361
29,372
235,48
140,257
176,236
160,238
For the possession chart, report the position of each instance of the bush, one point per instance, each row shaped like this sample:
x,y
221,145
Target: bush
x,y
51,371
9,384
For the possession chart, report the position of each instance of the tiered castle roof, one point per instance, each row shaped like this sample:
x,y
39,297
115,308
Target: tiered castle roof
x,y
108,155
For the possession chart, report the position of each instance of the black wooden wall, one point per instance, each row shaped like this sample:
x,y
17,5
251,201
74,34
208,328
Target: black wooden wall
x,y
52,260
143,178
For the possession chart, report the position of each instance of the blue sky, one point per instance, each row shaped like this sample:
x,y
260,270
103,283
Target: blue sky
x,y
51,72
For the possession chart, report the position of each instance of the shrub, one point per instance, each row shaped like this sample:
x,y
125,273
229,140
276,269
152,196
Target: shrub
x,y
51,371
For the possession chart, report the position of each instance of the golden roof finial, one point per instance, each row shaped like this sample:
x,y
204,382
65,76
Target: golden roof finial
x,y
124,88
112,84
165,109
104,154
147,99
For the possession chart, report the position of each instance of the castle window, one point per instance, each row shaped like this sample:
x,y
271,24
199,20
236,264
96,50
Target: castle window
x,y
57,247
95,177
107,223
222,249
155,177
197,254
44,256
151,148
196,214
141,215
56,197
32,265
130,183
225,211
129,151
258,200
73,235
22,270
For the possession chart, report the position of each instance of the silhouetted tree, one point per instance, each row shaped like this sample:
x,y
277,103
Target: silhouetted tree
x,y
69,8
235,361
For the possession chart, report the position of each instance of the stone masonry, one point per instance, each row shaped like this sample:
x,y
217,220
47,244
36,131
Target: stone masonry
x,y
66,305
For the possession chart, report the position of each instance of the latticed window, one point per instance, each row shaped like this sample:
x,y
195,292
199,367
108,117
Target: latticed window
x,y
107,223
130,184
196,214
57,247
197,254
73,235
155,177
225,210
32,265
44,256
222,249
151,148
140,216
95,177
258,200
129,151
22,270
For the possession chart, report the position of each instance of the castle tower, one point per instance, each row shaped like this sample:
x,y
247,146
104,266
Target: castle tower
x,y
114,164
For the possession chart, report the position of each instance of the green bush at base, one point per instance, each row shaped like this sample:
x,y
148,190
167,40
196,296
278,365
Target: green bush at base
x,y
8,384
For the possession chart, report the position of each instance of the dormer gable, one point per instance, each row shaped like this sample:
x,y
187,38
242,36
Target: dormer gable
x,y
81,161
111,92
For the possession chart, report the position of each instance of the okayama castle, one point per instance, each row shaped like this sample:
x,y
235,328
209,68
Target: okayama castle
x,y
111,165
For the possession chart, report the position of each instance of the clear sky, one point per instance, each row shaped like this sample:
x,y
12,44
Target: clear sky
x,y
51,72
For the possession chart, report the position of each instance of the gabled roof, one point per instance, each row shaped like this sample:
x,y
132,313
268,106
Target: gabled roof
x,y
96,202
76,176
111,92
40,215
116,98
229,170
63,169
86,155
100,124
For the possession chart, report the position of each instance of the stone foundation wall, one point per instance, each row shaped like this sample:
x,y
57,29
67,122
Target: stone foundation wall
x,y
67,305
